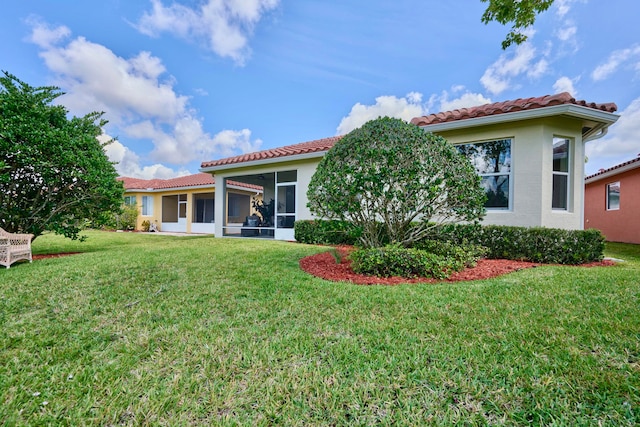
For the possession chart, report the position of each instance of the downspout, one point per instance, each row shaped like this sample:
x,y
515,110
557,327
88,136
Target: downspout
x,y
598,135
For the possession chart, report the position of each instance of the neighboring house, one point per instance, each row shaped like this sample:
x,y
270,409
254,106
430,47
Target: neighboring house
x,y
187,204
529,152
612,202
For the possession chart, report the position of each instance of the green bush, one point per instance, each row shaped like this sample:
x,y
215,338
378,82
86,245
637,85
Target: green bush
x,y
391,175
326,232
145,225
394,260
464,254
536,244
125,219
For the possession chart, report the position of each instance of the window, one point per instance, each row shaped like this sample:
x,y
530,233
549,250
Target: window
x,y
170,208
147,206
238,206
492,161
129,200
613,196
203,207
560,196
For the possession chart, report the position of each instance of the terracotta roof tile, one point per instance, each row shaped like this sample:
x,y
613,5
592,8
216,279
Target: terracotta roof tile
x,y
316,146
521,104
613,168
447,116
198,179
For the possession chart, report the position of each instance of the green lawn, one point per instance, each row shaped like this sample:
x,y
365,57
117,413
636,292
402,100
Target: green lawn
x,y
158,330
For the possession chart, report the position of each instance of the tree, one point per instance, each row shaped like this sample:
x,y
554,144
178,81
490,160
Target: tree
x,y
393,178
521,13
54,173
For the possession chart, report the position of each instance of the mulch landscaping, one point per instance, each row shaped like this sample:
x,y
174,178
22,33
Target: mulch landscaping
x,y
45,256
324,265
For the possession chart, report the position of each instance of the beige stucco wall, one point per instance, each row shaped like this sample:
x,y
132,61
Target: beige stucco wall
x,y
157,203
532,170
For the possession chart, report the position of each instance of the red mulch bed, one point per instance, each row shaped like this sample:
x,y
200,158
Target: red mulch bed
x,y
324,265
44,256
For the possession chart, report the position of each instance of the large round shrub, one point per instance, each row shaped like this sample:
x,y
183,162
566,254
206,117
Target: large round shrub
x,y
395,181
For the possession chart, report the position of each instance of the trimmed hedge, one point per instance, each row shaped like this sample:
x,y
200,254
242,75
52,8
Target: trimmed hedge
x,y
537,244
464,254
393,260
326,232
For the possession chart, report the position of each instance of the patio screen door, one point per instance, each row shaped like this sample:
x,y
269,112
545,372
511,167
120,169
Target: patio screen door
x,y
285,204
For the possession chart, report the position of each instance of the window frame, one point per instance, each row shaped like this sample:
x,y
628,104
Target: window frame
x,y
566,174
130,200
147,206
509,174
608,196
199,208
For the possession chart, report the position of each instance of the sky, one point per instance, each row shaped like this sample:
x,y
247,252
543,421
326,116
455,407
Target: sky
x,y
182,82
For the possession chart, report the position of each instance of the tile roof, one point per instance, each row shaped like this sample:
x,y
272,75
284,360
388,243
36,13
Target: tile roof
x,y
198,179
316,146
613,168
325,144
520,104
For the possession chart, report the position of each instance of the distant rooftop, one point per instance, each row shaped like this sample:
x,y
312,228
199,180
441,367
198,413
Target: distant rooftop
x,y
319,145
622,167
196,180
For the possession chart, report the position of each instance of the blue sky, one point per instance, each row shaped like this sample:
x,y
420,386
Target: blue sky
x,y
196,80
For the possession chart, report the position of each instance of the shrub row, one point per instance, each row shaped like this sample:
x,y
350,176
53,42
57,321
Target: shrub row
x,y
537,244
325,232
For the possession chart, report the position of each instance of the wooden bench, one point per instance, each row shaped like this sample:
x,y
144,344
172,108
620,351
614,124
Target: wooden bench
x,y
14,247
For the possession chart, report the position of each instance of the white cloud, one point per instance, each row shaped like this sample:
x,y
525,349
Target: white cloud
x,y
128,163
498,77
138,97
565,84
563,7
408,107
617,59
405,108
567,32
466,100
623,141
223,25
43,35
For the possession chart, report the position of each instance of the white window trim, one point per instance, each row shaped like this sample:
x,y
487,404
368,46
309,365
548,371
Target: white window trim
x,y
607,196
148,206
569,190
510,174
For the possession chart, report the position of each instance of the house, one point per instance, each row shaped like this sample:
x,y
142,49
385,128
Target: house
x,y
612,202
186,204
529,152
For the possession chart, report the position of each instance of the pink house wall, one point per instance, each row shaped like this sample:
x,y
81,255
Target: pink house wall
x,y
622,225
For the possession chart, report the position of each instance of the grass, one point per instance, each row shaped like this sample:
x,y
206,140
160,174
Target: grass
x,y
159,330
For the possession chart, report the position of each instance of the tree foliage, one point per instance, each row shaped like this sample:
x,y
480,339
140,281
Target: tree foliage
x,y
521,13
54,173
396,181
